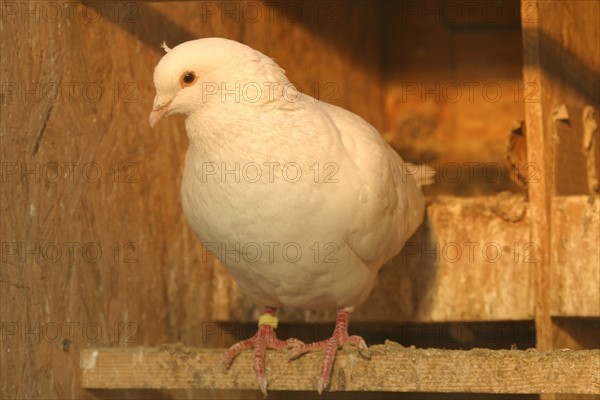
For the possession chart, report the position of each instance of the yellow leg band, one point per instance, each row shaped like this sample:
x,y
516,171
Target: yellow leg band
x,y
268,319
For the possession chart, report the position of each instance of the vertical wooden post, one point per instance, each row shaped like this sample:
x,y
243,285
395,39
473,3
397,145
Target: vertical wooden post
x,y
561,70
539,147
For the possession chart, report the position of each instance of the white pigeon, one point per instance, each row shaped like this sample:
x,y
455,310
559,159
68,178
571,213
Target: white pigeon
x,y
302,201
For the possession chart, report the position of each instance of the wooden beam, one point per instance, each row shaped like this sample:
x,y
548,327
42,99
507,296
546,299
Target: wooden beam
x,y
539,153
575,257
392,368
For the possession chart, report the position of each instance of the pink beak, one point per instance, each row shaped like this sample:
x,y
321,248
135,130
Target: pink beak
x,y
159,110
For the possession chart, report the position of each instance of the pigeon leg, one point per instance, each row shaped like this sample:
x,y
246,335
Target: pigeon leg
x,y
264,339
330,346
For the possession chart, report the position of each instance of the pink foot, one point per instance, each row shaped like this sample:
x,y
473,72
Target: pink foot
x,y
336,341
264,339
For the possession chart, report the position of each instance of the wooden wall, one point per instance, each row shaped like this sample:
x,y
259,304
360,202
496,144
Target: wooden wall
x,y
96,250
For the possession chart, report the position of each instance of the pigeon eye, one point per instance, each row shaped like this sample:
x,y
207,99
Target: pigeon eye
x,y
187,79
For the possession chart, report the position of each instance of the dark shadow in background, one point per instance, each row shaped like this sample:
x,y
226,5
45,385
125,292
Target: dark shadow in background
x,y
565,67
152,28
450,336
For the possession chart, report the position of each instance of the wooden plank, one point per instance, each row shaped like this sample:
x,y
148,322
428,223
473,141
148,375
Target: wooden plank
x,y
392,368
539,149
575,252
470,261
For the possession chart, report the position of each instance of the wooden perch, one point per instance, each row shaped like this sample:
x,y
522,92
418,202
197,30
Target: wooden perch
x,y
392,368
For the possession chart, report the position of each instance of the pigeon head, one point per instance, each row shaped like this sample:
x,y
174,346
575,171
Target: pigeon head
x,y
199,73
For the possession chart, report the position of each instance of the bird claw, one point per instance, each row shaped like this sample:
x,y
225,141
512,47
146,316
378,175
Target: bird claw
x,y
330,346
365,353
262,383
226,363
297,351
361,346
321,385
264,339
293,344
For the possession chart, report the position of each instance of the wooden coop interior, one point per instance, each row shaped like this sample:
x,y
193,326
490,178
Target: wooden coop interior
x,y
107,293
